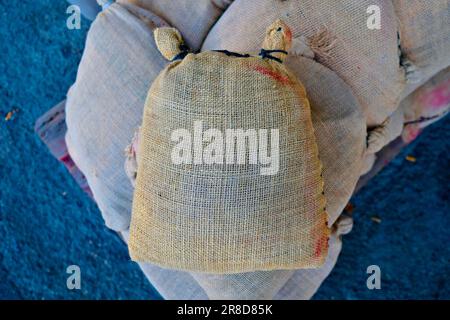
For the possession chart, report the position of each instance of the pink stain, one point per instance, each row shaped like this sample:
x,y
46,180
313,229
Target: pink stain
x,y
276,76
410,133
438,97
288,34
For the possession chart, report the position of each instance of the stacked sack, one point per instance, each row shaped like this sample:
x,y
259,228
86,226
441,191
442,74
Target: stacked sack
x,y
337,33
104,106
354,78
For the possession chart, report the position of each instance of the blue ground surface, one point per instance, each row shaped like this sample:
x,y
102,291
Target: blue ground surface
x,y
47,223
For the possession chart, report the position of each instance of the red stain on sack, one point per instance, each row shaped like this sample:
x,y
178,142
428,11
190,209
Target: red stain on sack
x,y
276,76
288,34
437,98
321,244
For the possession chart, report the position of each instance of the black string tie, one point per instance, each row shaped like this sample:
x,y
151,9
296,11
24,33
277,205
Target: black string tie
x,y
233,54
184,50
267,54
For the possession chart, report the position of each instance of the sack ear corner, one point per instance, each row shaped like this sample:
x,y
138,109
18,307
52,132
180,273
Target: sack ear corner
x,y
169,42
278,36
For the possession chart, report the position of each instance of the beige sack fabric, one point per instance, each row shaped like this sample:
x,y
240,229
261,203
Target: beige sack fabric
x,y
104,106
337,32
387,132
225,216
193,18
339,127
305,283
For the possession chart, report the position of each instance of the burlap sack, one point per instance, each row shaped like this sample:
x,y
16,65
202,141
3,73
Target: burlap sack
x,y
339,128
193,18
118,214
367,60
424,38
424,34
340,132
225,216
104,106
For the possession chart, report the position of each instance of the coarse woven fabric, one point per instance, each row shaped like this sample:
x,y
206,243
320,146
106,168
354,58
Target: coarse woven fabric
x,y
367,60
119,63
268,285
224,217
340,132
194,18
339,127
426,105
424,38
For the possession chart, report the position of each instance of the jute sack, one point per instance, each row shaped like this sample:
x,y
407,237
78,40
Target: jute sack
x,y
339,128
341,136
222,216
424,32
105,104
193,17
337,32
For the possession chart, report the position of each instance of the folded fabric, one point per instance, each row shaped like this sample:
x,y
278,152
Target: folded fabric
x,y
51,128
